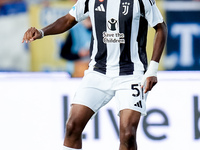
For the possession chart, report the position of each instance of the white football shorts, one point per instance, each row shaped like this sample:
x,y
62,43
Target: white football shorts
x,y
97,89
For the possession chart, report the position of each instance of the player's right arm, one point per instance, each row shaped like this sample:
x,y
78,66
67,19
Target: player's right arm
x,y
59,26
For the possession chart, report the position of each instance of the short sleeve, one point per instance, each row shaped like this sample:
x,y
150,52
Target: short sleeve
x,y
152,13
80,10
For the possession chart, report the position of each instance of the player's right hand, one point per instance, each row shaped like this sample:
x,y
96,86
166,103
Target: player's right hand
x,y
31,34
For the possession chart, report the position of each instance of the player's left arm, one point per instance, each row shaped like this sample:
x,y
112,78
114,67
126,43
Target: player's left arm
x,y
159,41
158,46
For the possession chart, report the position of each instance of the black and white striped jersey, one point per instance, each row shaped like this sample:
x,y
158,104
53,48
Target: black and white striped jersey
x,y
119,31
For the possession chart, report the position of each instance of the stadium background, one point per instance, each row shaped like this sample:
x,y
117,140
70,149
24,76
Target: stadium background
x,y
36,90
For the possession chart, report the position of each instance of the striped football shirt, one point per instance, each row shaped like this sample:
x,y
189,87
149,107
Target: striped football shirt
x,y
119,32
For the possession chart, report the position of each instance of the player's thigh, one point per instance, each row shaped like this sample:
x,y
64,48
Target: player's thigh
x,y
79,116
129,119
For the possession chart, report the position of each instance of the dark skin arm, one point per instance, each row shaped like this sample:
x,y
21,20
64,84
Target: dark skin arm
x,y
158,46
59,26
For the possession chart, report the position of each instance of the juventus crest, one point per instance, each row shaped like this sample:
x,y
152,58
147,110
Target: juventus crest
x,y
125,5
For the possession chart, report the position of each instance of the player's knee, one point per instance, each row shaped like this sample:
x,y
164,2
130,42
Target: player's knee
x,y
128,136
73,128
69,127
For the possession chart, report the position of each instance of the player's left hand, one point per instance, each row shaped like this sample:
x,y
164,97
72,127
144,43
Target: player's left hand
x,y
149,79
149,83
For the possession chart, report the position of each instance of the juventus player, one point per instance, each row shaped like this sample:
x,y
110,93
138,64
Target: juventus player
x,y
118,66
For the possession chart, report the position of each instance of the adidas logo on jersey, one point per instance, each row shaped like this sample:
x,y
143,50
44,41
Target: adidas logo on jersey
x,y
138,104
100,8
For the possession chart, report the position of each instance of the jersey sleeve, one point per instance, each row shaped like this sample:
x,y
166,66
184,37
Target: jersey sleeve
x,y
80,10
152,13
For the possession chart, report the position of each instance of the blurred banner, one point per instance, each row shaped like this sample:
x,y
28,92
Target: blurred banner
x,y
14,56
45,53
35,106
182,50
183,44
